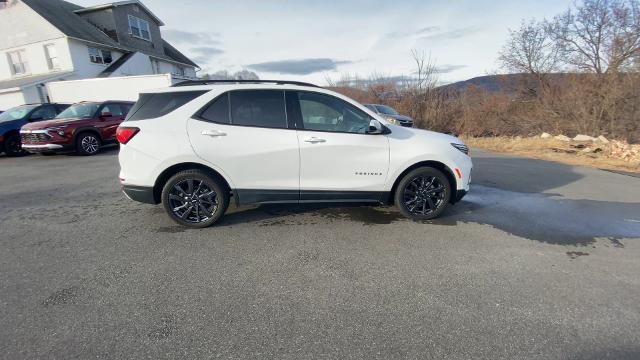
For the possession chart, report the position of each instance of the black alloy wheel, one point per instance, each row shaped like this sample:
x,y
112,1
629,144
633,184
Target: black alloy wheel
x,y
193,198
423,194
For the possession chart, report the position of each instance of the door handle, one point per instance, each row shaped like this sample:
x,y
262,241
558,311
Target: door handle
x,y
213,133
314,140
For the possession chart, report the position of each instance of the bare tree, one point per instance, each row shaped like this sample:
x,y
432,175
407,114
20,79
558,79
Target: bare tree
x,y
600,36
531,50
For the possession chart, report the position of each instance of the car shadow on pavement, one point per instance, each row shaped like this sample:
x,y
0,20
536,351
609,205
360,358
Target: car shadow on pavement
x,y
508,194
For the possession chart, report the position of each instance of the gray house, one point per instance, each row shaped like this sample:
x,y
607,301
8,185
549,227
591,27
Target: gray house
x,y
51,40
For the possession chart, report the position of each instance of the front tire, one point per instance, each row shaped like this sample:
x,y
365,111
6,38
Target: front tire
x,y
423,194
88,144
13,146
195,199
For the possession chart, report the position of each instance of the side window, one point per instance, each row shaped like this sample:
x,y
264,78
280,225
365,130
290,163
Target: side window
x,y
113,109
44,113
263,108
151,106
217,111
322,112
125,109
61,108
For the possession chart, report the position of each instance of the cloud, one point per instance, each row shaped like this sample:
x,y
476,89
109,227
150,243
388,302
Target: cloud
x,y
203,54
450,34
428,29
180,36
421,31
448,68
298,67
207,50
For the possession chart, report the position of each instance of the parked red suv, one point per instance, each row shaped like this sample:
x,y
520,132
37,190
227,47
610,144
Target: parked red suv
x,y
83,127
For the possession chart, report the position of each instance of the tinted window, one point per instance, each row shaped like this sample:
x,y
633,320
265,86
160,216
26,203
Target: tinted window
x,y
81,110
113,109
264,108
151,106
218,110
327,113
44,113
16,113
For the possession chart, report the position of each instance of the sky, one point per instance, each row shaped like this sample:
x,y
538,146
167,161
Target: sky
x,y
312,40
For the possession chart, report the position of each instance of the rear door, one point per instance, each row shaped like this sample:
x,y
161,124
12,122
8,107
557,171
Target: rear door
x,y
109,118
246,134
339,160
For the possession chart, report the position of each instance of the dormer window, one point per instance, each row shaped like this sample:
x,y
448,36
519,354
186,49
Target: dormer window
x,y
139,28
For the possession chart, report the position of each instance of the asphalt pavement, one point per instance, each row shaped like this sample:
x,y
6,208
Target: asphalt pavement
x,y
540,261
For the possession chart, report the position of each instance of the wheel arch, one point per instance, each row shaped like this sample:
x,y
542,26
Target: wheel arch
x,y
429,163
166,174
83,130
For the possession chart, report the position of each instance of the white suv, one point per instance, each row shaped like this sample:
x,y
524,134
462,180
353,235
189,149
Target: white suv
x,y
198,144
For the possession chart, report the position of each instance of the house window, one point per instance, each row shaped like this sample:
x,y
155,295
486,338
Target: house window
x,y
100,56
139,28
52,56
18,62
178,70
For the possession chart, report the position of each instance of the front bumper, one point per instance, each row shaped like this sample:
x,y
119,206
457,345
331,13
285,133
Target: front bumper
x,y
34,148
143,194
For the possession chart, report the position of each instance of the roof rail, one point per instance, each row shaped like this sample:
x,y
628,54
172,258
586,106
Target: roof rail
x,y
213,82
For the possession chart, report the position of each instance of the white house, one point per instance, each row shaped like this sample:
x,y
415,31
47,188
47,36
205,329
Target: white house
x,y
47,40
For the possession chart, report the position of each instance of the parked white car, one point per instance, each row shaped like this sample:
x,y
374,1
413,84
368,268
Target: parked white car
x,y
195,146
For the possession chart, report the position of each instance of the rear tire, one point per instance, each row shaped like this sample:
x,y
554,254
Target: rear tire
x,y
423,194
195,199
13,146
88,144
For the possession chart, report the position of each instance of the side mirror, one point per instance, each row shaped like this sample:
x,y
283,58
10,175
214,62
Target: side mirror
x,y
376,128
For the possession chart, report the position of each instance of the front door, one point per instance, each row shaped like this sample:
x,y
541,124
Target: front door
x,y
339,160
245,134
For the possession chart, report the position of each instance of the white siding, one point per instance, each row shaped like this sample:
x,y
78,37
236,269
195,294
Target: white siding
x,y
20,25
138,64
37,58
83,67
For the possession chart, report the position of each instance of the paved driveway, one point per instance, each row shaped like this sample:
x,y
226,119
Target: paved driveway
x,y
541,260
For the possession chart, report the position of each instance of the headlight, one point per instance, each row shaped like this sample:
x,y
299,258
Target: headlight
x,y
391,120
461,147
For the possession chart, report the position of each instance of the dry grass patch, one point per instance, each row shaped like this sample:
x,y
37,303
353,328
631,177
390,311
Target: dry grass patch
x,y
555,150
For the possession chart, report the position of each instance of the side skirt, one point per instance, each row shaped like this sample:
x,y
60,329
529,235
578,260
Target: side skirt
x,y
252,196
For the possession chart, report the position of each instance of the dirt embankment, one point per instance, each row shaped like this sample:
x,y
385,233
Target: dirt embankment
x,y
595,152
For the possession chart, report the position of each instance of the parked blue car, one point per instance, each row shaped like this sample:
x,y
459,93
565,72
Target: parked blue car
x,y
13,119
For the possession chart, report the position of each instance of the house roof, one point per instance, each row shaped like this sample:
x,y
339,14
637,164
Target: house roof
x,y
31,80
120,3
63,15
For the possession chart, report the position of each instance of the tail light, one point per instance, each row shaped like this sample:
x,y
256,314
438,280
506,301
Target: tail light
x,y
124,134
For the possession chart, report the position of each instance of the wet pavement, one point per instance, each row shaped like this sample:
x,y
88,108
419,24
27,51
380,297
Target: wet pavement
x,y
540,260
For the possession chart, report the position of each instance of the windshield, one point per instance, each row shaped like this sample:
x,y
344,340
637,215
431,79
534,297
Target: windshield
x,y
383,109
16,113
82,111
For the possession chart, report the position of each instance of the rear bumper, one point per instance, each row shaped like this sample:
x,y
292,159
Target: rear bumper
x,y
143,194
458,196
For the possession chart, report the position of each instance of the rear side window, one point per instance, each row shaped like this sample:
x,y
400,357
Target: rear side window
x,y
262,108
217,111
151,106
